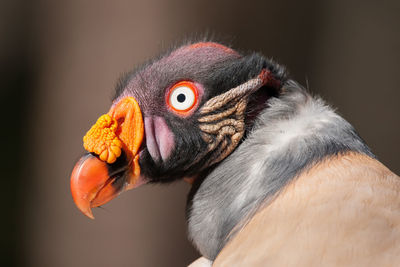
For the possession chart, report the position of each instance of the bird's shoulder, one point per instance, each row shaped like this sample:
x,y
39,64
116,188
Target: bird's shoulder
x,y
343,211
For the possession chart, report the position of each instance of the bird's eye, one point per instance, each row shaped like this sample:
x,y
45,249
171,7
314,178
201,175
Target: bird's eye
x,y
182,97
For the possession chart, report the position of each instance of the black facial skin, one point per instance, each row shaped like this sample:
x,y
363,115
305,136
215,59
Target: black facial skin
x,y
217,74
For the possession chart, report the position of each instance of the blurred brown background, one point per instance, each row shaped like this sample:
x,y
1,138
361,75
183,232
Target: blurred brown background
x,y
60,61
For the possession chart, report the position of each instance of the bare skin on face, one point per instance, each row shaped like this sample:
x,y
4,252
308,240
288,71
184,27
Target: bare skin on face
x,y
345,211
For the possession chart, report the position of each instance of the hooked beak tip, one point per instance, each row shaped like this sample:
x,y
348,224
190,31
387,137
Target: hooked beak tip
x,y
87,179
94,183
85,208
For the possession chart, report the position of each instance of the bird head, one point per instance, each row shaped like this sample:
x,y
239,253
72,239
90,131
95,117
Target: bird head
x,y
175,117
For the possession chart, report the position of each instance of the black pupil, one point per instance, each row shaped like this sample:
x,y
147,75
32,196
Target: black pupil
x,y
181,98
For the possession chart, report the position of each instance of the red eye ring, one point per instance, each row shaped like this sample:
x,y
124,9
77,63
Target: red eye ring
x,y
182,98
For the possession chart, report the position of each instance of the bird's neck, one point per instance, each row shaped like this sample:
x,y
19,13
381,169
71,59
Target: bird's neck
x,y
292,134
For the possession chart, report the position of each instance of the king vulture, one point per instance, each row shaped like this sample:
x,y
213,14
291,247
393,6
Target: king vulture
x,y
278,177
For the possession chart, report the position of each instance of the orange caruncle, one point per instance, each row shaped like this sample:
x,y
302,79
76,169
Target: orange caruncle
x,y
102,140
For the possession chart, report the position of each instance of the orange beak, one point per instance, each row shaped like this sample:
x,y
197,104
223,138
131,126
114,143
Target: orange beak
x,y
103,174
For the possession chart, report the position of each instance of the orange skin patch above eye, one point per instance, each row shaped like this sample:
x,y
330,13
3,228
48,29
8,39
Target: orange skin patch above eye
x,y
215,45
189,110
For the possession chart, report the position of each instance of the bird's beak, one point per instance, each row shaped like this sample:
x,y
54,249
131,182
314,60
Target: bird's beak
x,y
113,164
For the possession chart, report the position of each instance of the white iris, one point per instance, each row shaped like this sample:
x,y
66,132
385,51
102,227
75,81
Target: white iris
x,y
182,98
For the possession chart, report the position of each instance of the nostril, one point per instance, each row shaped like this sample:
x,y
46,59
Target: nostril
x,y
120,123
121,120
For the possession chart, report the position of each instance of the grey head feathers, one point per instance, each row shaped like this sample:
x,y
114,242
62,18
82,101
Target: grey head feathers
x,y
294,132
